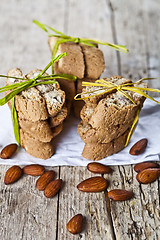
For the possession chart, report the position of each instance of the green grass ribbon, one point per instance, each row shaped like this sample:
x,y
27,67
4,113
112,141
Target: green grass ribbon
x,y
64,38
17,88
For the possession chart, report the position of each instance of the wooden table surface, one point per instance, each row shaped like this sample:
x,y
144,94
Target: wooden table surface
x,y
25,213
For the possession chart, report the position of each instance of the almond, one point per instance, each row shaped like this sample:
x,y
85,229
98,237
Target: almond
x,y
120,194
12,174
148,175
8,151
44,180
34,170
139,147
75,224
52,188
93,184
96,167
144,165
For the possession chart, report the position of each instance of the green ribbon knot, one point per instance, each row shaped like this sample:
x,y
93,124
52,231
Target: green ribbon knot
x,y
77,40
64,38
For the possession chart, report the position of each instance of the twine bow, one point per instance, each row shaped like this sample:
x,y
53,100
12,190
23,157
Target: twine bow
x,y
28,83
64,38
106,87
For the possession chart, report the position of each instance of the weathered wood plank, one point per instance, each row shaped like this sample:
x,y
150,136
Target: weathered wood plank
x,y
137,24
93,23
151,22
91,205
137,218
25,212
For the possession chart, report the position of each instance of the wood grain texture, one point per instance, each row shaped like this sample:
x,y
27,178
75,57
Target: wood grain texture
x,y
138,27
139,217
25,213
91,205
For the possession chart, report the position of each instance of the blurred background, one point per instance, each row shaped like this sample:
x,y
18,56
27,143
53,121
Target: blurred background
x,y
132,23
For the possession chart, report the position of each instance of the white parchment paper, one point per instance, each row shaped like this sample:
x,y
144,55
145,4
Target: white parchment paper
x,y
69,145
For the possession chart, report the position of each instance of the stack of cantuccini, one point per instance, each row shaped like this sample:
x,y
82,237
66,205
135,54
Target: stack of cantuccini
x,y
85,62
41,112
107,119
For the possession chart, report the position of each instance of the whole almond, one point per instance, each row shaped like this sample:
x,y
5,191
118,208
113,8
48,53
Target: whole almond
x,y
12,174
120,194
144,165
96,167
34,170
8,151
148,175
44,180
139,147
52,188
93,184
75,225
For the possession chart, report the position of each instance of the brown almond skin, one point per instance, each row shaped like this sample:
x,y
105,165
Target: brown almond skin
x,y
75,225
44,180
93,184
139,147
13,174
148,175
120,195
53,188
34,170
96,167
144,165
8,151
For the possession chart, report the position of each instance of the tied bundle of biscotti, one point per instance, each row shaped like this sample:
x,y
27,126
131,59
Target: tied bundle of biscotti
x,y
84,62
107,119
41,111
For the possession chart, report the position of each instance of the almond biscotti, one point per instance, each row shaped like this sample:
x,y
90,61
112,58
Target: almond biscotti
x,y
83,61
40,130
100,135
106,117
97,151
41,113
108,120
37,103
119,80
36,148
59,118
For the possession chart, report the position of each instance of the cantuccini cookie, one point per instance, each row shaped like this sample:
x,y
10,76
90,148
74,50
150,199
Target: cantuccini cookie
x,y
57,130
53,95
82,61
59,118
41,113
85,62
36,148
97,151
119,80
106,117
94,61
100,135
40,130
